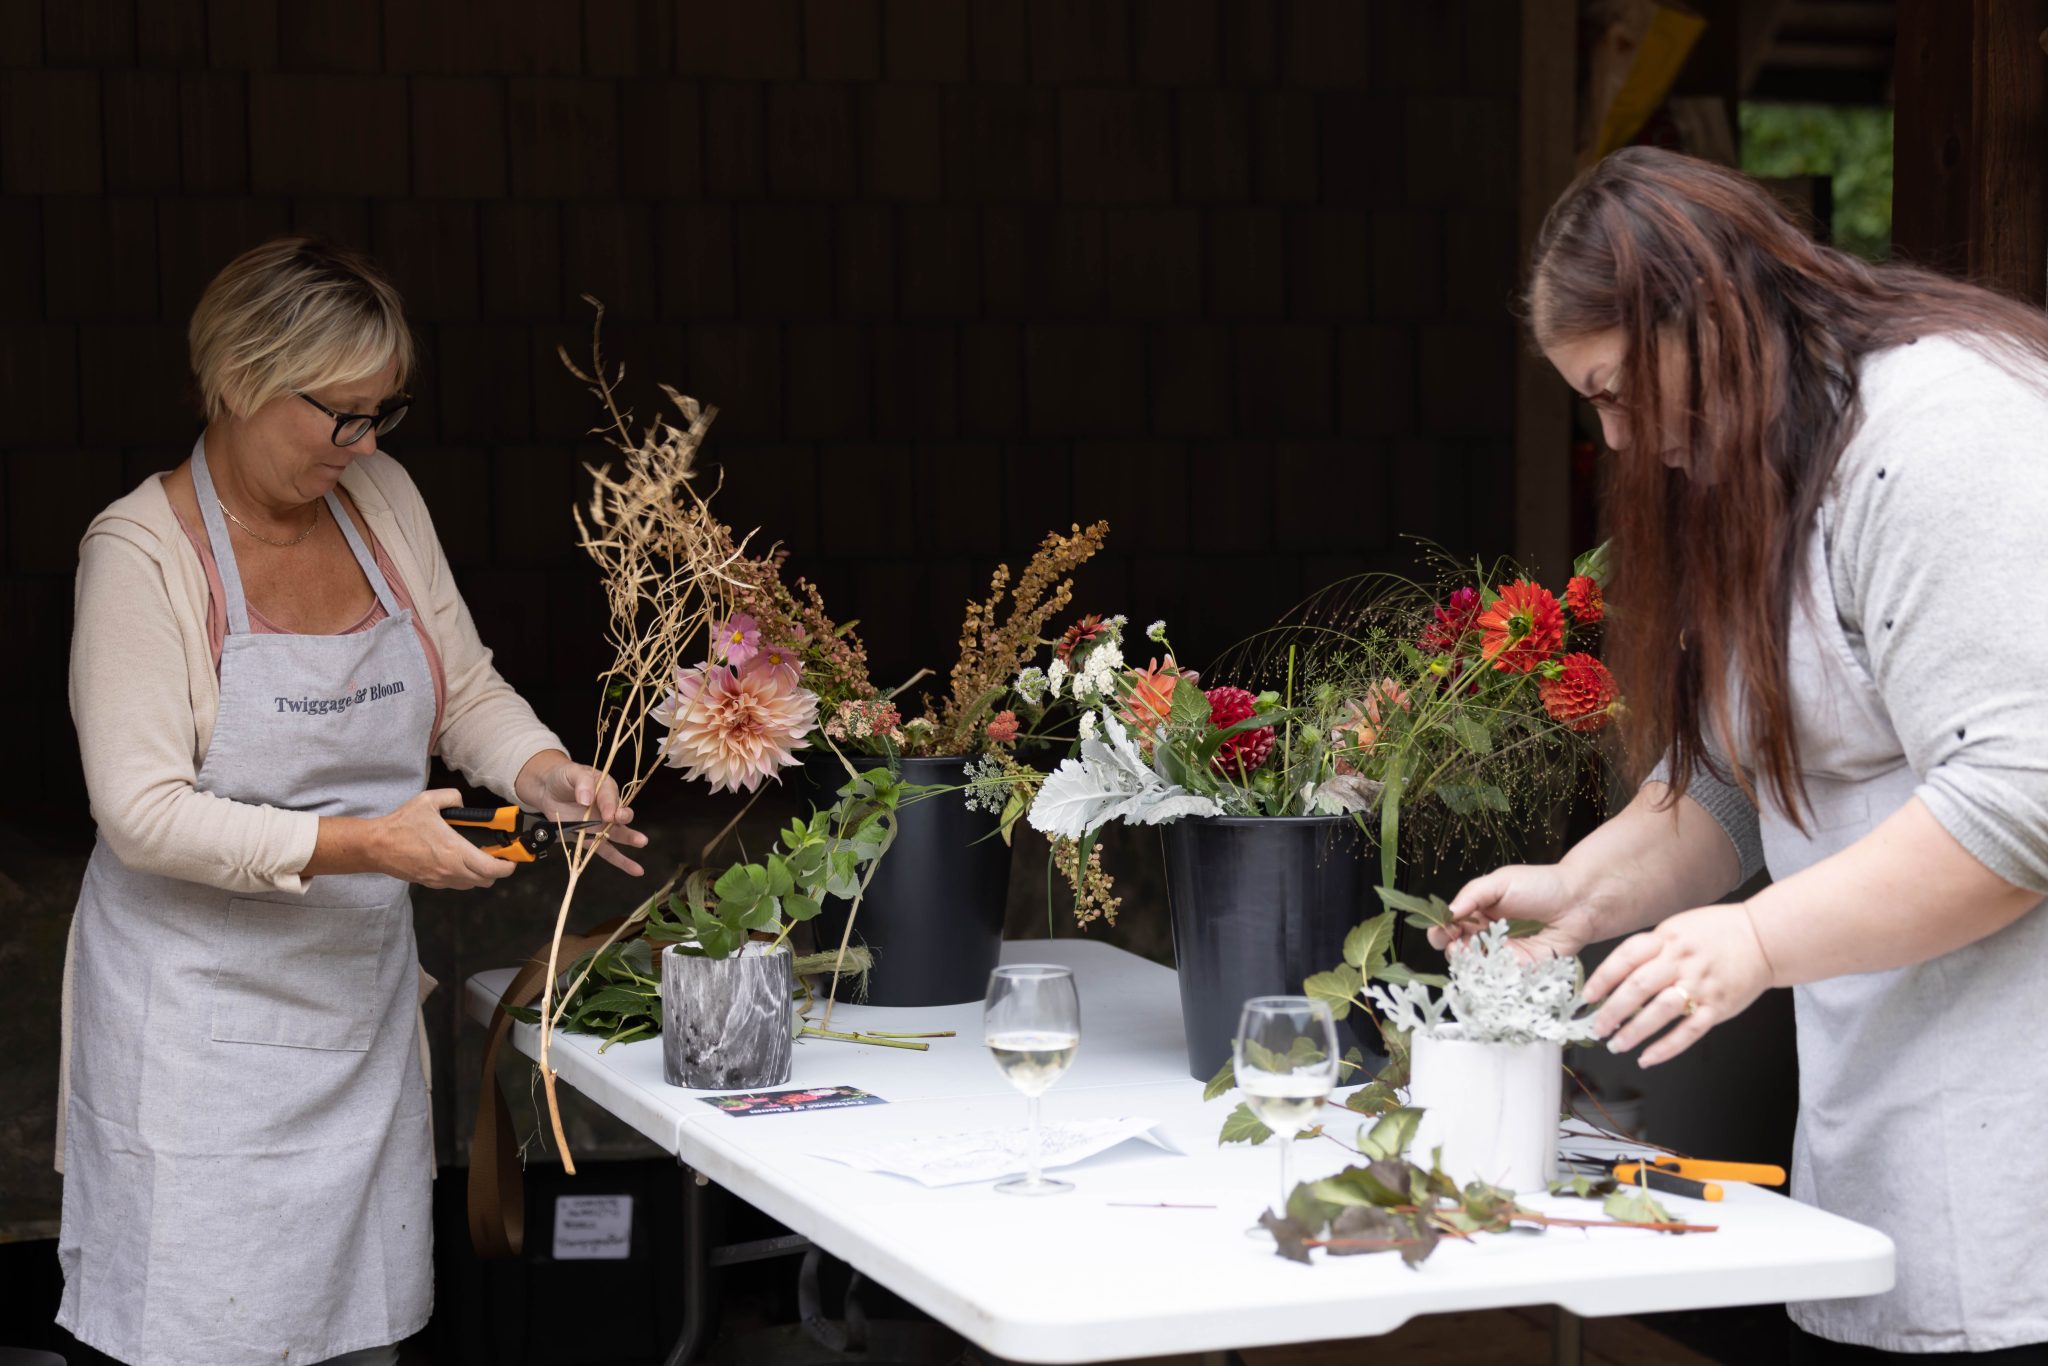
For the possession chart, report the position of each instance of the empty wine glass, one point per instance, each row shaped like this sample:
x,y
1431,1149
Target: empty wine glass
x,y
1031,1023
1286,1063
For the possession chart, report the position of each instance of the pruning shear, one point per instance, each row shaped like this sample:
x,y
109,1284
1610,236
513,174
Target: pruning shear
x,y
508,833
1685,1175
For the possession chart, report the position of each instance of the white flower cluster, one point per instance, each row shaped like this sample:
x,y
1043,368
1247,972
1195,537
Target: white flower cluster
x,y
988,785
1031,684
1495,996
1056,677
1096,678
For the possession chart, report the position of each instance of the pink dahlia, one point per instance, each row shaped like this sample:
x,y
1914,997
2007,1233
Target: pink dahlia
x,y
735,726
1453,623
736,640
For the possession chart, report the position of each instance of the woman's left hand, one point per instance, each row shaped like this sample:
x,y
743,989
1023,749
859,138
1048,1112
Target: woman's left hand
x,y
1698,968
569,791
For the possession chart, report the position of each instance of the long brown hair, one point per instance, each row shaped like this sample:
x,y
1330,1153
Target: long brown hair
x,y
1771,326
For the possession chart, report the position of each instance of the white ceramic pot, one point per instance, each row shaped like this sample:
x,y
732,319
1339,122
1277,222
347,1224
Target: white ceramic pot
x,y
1491,1107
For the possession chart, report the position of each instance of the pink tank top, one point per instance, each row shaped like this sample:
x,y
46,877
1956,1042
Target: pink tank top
x,y
217,612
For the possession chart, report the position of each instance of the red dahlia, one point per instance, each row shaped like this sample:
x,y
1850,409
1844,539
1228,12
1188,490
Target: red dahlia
x,y
1247,749
1584,597
1453,623
1524,627
1080,633
1582,697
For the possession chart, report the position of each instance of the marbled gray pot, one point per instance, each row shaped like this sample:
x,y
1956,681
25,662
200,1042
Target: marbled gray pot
x,y
726,1022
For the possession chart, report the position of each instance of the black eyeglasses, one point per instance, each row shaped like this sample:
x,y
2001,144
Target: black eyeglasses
x,y
350,428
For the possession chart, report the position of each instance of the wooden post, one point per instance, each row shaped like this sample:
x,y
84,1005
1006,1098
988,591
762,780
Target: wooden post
x,y
1549,104
1970,190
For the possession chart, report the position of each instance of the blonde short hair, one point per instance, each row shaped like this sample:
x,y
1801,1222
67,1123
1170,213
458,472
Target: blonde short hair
x,y
291,315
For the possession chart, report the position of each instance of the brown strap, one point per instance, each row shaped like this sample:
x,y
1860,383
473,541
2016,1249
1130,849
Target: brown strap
x,y
497,1188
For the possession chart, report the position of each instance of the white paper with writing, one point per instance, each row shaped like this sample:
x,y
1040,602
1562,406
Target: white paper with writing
x,y
985,1155
593,1228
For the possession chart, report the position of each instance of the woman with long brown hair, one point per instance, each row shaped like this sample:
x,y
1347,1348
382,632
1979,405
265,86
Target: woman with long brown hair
x,y
1829,488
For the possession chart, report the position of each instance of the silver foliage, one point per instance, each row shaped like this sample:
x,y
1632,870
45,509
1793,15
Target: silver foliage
x,y
1495,995
1111,781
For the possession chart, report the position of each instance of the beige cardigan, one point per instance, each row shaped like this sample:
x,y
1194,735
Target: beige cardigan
x,y
144,693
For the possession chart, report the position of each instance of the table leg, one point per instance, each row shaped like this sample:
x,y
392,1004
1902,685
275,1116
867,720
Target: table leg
x,y
1567,1340
698,1303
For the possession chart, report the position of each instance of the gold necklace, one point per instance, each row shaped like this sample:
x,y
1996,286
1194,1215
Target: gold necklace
x,y
265,539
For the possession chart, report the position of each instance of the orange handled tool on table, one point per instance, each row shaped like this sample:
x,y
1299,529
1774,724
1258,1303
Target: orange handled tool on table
x,y
508,833
1694,1177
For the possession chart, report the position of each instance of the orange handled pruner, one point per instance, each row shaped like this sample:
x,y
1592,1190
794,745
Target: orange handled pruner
x,y
530,835
1664,1173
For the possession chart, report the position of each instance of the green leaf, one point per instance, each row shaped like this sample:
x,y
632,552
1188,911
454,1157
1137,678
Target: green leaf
x,y
1399,1047
1393,1133
1224,1080
780,880
1633,1205
764,914
1290,1239
1492,798
1522,929
1264,1058
737,884
1580,1186
1189,707
1243,1127
524,1014
1434,909
1472,734
1594,564
1368,944
799,907
1373,1098
1337,986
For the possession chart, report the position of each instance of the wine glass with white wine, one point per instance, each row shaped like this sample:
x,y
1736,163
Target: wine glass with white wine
x,y
1031,1023
1286,1063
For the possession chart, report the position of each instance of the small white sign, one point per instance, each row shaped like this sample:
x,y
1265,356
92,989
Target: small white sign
x,y
593,1228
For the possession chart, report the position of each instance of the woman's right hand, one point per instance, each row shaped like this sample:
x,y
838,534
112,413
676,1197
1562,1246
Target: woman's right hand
x,y
1547,892
415,844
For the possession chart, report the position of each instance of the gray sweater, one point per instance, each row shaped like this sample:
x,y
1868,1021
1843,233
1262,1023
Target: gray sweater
x,y
1939,509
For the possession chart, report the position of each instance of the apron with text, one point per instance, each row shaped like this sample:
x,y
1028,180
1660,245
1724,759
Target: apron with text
x,y
1922,1091
247,1151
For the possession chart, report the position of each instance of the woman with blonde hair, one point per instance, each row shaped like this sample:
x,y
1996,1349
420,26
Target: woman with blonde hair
x,y
269,645
1828,487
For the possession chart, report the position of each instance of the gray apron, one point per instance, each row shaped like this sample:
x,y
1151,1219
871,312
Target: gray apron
x,y
1922,1091
247,1153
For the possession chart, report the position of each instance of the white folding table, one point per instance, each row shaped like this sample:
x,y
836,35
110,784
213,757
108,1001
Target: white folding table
x,y
1077,1279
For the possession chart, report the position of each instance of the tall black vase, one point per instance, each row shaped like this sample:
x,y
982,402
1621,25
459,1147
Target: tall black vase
x,y
933,914
1259,904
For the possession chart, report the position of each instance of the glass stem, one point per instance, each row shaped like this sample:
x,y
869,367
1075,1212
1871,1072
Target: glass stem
x,y
1286,1186
1031,1109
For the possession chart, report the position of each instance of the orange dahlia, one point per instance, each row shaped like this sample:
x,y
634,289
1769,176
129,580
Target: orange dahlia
x,y
1583,695
1150,699
1362,727
1524,627
1587,602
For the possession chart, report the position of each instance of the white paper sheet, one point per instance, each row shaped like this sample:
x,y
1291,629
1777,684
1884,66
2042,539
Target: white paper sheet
x,y
985,1155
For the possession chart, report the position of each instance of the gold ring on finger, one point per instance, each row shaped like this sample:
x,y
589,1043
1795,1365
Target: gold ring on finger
x,y
1690,1004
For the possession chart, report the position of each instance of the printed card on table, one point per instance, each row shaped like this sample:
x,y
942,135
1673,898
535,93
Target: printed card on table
x,y
792,1101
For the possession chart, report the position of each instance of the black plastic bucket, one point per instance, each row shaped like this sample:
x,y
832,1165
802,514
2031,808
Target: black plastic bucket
x,y
1259,904
933,915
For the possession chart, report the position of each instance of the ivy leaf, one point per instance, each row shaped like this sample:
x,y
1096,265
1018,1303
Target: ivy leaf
x,y
1225,1078
1373,1099
1633,1205
1290,1239
1243,1127
1337,986
1393,1133
1423,1242
1369,943
1580,1186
